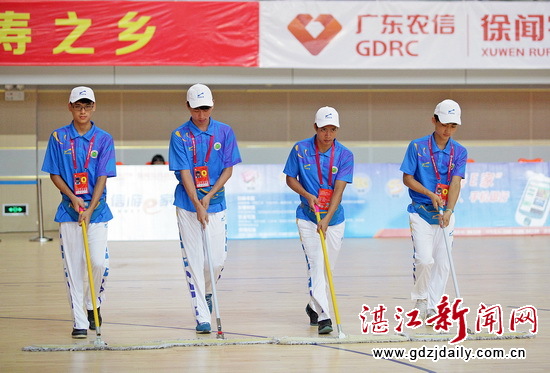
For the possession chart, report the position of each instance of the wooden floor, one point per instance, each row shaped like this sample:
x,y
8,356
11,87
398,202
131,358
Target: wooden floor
x,y
262,293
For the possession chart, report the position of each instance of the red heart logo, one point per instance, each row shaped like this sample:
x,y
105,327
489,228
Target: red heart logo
x,y
314,45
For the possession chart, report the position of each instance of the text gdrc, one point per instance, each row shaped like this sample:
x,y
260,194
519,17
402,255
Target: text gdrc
x,y
390,48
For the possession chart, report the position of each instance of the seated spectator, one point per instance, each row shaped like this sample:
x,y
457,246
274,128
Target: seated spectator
x,y
157,159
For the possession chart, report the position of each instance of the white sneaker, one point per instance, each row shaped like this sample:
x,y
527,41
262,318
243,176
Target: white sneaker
x,y
429,314
422,307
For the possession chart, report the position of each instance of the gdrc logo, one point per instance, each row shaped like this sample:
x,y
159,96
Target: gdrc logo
x,y
314,45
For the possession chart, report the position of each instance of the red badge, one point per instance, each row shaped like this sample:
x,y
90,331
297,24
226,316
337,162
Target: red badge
x,y
324,198
201,177
442,190
80,183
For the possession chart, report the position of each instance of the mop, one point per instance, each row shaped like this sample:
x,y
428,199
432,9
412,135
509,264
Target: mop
x,y
328,272
98,343
152,345
341,338
470,334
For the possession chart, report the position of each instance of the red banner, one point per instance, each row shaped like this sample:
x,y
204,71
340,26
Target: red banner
x,y
129,33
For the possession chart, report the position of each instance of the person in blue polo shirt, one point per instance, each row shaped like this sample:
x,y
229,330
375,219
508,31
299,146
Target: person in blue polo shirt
x,y
79,158
202,154
318,169
433,168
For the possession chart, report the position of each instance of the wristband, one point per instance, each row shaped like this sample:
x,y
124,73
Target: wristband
x,y
451,210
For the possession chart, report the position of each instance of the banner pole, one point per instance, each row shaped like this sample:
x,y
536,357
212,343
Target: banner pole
x,y
41,237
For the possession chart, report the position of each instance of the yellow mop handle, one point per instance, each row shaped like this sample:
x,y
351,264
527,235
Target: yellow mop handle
x,y
327,269
90,276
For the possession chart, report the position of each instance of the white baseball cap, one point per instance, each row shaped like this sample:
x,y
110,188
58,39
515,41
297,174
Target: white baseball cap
x,y
448,111
80,93
327,116
199,95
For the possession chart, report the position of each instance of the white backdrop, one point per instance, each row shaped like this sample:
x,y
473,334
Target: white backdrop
x,y
404,35
495,199
141,199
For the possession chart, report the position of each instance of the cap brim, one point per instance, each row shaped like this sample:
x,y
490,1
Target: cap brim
x,y
449,119
196,104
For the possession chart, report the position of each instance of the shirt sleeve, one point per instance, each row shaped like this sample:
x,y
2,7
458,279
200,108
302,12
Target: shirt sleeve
x,y
460,162
291,166
410,161
231,156
106,165
177,159
51,159
345,171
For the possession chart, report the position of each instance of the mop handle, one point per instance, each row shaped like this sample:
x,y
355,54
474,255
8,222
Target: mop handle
x,y
327,268
90,274
449,256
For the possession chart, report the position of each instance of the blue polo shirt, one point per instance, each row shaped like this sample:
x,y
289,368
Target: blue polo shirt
x,y
224,154
417,162
302,165
59,161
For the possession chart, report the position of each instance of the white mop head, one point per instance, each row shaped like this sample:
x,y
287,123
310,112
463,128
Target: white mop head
x,y
345,339
337,340
154,345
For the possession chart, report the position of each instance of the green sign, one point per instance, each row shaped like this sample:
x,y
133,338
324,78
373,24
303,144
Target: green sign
x,y
15,210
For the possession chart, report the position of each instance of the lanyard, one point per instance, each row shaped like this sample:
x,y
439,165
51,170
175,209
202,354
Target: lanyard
x,y
87,155
195,148
317,159
435,166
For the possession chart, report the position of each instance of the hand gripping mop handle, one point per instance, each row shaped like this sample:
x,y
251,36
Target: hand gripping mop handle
x,y
450,257
90,276
329,276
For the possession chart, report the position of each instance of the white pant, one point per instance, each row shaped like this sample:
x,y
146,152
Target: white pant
x,y
431,263
76,272
311,243
195,261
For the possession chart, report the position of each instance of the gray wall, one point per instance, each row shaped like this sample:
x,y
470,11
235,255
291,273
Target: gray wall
x,y
148,116
500,124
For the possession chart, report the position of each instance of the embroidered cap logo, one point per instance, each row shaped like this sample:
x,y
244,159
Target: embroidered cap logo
x,y
314,45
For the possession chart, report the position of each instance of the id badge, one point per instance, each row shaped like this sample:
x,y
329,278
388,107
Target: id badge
x,y
324,198
201,177
442,190
80,183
